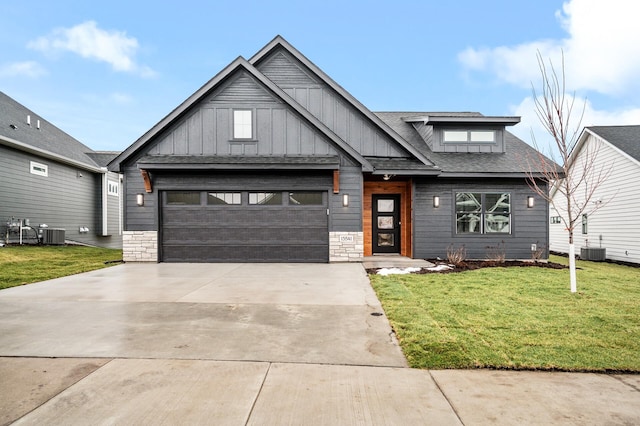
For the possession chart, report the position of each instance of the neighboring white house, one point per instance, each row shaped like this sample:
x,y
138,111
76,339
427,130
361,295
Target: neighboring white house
x,y
615,225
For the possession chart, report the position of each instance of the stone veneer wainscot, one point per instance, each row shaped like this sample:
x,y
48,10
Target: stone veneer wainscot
x,y
140,246
346,246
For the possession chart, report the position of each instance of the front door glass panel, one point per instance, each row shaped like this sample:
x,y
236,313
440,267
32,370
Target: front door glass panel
x,y
386,223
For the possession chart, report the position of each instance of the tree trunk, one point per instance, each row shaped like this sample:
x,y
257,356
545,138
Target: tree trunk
x,y
572,267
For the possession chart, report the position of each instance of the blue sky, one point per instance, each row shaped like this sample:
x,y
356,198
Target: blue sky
x,y
106,72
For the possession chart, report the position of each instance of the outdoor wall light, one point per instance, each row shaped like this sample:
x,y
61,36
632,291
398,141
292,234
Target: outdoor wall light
x,y
530,201
436,201
140,199
345,200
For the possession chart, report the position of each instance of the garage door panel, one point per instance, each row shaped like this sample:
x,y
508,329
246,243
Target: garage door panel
x,y
244,253
245,233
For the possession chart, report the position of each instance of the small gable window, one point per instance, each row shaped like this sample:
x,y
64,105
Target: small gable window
x,y
242,124
469,136
39,169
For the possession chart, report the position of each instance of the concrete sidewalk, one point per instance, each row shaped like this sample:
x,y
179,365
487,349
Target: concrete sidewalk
x,y
254,344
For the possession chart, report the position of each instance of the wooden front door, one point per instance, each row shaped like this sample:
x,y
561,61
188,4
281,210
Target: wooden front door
x,y
386,223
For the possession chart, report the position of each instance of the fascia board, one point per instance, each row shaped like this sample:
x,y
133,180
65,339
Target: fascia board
x,y
50,155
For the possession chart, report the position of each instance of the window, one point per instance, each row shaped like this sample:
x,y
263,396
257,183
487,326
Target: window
x,y
39,169
112,188
483,213
242,124
585,229
186,198
554,220
214,198
301,198
467,136
266,198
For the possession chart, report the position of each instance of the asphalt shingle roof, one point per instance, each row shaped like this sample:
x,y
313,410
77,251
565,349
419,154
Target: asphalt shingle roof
x,y
512,161
625,138
13,125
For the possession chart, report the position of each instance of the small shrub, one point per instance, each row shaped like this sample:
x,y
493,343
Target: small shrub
x,y
538,252
456,256
496,253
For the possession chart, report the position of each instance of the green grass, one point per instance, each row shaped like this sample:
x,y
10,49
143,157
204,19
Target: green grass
x,y
28,264
517,318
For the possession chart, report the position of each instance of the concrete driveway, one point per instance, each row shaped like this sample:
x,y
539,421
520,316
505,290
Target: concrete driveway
x,y
308,313
253,344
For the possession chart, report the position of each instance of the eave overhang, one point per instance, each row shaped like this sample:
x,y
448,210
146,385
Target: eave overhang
x,y
463,119
50,155
185,162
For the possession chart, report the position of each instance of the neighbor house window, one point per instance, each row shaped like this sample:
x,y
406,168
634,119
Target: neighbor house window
x,y
585,229
266,198
242,124
483,213
112,188
185,198
469,136
38,169
214,198
554,220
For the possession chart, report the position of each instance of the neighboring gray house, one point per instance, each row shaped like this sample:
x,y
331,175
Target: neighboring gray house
x,y
612,231
271,160
50,178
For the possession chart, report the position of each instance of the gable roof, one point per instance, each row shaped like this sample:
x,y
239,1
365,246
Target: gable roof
x,y
511,163
239,64
625,138
280,42
40,137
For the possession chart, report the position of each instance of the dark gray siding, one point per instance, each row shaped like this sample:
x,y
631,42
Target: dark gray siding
x,y
68,198
434,228
330,108
347,219
207,129
139,218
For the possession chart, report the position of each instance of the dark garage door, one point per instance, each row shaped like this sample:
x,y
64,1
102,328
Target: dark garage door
x,y
244,226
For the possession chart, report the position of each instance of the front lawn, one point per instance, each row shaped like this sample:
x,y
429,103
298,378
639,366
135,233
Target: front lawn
x,y
28,264
517,317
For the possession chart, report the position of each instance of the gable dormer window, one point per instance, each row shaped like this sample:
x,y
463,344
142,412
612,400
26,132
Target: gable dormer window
x,y
469,136
242,124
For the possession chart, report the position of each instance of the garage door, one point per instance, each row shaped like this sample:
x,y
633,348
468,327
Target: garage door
x,y
244,226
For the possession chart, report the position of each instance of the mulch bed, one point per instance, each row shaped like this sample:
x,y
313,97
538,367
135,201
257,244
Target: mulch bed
x,y
470,265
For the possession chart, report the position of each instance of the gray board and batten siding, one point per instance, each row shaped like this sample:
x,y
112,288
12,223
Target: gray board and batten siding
x,y
435,228
67,198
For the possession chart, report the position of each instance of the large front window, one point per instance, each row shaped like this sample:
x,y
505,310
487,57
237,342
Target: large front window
x,y
483,213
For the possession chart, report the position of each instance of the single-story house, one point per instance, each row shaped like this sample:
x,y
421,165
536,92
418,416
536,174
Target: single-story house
x,y
612,231
271,161
54,189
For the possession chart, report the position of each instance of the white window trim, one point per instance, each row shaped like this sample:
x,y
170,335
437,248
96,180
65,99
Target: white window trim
x,y
38,169
240,126
471,136
113,188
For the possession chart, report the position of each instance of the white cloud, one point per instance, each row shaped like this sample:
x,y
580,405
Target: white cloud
x,y
91,42
28,68
121,98
601,49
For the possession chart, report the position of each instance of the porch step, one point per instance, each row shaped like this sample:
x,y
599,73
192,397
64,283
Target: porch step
x,y
372,262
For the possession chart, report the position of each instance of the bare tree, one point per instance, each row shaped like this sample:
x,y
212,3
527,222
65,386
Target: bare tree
x,y
576,180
